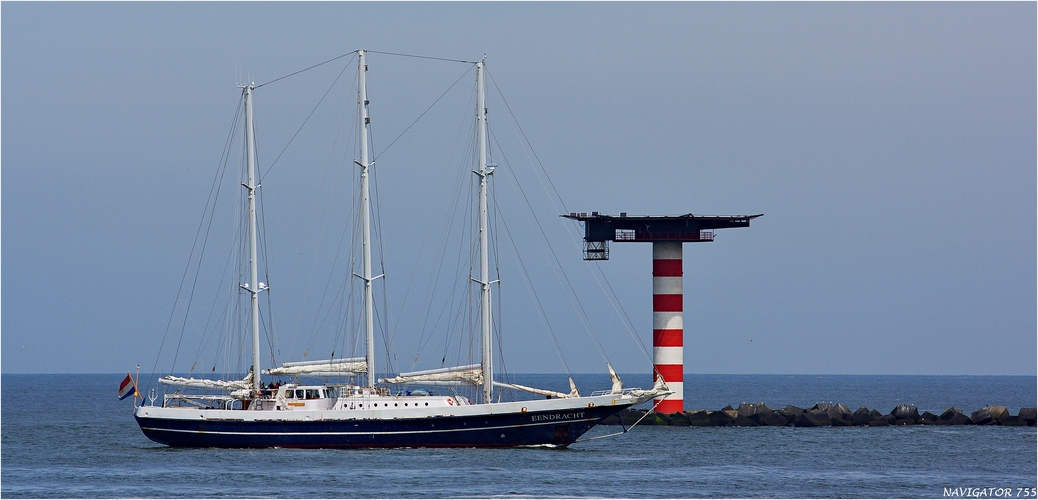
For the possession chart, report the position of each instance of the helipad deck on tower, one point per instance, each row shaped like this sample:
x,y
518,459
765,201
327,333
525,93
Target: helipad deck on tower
x,y
599,229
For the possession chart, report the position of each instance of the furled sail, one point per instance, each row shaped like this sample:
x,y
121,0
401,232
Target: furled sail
x,y
659,389
204,383
471,374
322,368
618,385
573,393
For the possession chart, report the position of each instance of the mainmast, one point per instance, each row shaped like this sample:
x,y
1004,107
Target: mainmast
x,y
365,218
253,286
484,258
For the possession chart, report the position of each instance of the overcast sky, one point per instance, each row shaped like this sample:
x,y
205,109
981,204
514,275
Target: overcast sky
x,y
891,147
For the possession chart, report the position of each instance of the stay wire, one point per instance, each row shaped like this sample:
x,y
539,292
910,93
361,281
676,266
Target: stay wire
x,y
628,429
214,194
310,224
320,320
421,115
307,69
377,223
271,334
588,325
445,232
525,138
419,57
499,316
615,300
533,291
330,87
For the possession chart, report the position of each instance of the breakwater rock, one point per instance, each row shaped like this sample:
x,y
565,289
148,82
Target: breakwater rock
x,y
822,415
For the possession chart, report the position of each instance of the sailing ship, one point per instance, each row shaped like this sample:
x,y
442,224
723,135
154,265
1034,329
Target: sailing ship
x,y
247,413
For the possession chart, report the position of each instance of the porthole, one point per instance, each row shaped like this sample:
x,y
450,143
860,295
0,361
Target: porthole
x,y
396,404
426,404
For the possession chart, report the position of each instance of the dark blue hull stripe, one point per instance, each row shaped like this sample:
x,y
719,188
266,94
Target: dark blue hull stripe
x,y
357,433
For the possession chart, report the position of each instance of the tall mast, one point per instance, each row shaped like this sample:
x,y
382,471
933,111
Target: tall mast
x,y
365,219
253,287
484,258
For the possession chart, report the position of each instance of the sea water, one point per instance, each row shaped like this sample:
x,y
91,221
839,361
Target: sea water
x,y
68,436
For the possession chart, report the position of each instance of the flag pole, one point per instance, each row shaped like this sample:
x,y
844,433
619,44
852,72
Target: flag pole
x,y
136,387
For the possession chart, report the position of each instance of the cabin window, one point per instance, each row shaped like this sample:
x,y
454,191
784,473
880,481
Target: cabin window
x,y
289,395
300,393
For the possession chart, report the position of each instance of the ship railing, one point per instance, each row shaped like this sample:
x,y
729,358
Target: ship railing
x,y
199,400
621,393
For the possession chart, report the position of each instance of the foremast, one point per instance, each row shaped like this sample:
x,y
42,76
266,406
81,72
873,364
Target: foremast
x,y
484,255
253,286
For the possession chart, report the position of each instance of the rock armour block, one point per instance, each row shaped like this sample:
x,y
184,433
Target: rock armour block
x,y
983,417
1027,416
862,416
951,416
906,412
820,415
677,419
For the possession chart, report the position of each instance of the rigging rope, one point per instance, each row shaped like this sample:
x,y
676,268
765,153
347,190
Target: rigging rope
x,y
614,300
330,87
499,315
333,184
307,69
626,429
214,193
557,269
445,236
421,115
420,57
527,140
270,333
533,291
377,213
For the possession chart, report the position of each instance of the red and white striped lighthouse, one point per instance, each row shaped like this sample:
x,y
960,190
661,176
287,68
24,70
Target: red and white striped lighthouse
x,y
667,233
667,325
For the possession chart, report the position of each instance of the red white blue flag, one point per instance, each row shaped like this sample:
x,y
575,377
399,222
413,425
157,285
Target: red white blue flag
x,y
127,387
